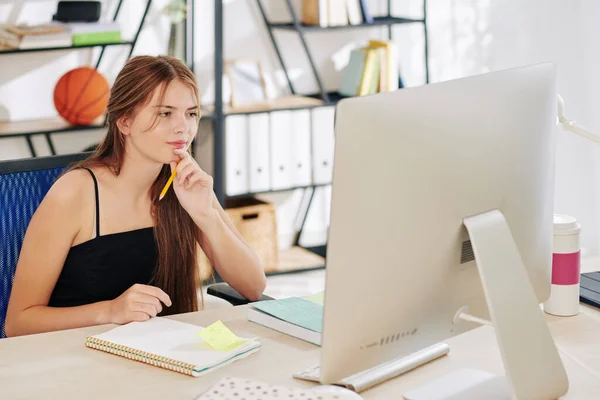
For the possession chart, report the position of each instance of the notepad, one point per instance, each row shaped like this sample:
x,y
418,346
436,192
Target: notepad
x,y
169,344
293,316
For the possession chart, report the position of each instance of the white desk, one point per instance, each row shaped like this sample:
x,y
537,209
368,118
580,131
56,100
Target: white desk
x,y
58,365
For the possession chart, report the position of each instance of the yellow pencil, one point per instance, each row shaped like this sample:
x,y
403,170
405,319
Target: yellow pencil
x,y
164,191
170,181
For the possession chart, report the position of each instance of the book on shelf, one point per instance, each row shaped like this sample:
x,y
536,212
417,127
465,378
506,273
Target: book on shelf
x,y
96,38
337,12
366,15
371,69
298,317
354,12
326,13
173,345
88,27
388,75
314,12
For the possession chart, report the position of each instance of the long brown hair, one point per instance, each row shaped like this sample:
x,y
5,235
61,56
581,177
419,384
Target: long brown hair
x,y
175,232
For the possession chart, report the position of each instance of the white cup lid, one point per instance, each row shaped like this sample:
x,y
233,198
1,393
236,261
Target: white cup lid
x,y
565,225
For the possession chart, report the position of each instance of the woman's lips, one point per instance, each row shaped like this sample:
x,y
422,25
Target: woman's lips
x,y
178,144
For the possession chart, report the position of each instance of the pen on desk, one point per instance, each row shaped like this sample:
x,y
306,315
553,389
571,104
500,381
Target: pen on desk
x,y
170,181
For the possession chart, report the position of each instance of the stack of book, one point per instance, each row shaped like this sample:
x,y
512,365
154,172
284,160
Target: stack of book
x,y
371,69
33,36
335,12
59,34
298,317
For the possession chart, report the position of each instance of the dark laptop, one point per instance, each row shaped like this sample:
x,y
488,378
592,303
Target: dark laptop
x,y
589,291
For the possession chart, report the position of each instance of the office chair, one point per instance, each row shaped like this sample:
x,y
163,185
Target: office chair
x,y
23,185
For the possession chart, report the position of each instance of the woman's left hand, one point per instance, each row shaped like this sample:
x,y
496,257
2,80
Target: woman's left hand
x,y
193,187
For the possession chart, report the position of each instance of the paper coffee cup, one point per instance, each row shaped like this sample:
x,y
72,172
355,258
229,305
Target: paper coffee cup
x,y
566,267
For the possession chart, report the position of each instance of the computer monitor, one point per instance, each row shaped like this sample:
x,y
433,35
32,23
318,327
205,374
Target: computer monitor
x,y
427,180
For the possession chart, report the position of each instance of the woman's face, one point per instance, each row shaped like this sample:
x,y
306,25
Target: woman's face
x,y
173,122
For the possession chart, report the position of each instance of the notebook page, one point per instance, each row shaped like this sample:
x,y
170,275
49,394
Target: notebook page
x,y
172,339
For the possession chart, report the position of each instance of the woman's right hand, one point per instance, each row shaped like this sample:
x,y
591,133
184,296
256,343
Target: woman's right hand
x,y
138,303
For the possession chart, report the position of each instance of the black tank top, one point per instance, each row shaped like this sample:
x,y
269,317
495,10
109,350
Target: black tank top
x,y
104,267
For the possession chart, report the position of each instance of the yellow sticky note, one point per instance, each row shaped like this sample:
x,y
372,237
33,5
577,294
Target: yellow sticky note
x,y
219,337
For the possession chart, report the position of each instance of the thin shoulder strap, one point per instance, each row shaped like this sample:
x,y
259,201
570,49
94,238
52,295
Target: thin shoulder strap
x,y
97,202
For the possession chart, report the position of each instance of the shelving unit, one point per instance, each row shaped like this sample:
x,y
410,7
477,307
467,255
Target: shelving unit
x,y
219,112
47,127
330,98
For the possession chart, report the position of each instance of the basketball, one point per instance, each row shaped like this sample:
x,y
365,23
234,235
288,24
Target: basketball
x,y
81,95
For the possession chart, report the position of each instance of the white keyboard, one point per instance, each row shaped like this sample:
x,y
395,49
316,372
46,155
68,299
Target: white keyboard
x,y
309,374
380,373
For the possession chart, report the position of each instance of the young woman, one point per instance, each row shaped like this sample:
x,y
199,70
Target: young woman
x,y
102,247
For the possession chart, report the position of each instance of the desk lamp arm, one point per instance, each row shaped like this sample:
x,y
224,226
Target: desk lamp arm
x,y
572,126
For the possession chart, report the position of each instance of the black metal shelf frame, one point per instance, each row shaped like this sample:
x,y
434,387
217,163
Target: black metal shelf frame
x,y
189,34
47,133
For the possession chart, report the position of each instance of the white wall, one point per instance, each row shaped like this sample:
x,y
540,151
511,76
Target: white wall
x,y
466,37
470,37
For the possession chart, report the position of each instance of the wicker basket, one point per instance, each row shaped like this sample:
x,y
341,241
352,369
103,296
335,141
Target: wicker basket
x,y
257,223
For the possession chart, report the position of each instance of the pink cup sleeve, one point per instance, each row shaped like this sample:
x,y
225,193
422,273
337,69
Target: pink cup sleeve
x,y
566,268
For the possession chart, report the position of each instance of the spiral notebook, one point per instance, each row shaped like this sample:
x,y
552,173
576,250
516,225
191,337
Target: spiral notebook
x,y
169,344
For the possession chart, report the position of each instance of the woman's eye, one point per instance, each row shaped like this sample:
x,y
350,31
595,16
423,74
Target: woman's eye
x,y
165,114
194,114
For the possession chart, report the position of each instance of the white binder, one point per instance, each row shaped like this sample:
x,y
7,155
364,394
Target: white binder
x,y
281,149
259,166
236,155
322,144
327,194
301,159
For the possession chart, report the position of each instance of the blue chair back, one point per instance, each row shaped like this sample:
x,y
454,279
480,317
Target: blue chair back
x,y
23,185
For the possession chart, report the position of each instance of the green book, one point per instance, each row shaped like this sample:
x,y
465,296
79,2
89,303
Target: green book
x,y
293,316
353,73
87,39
